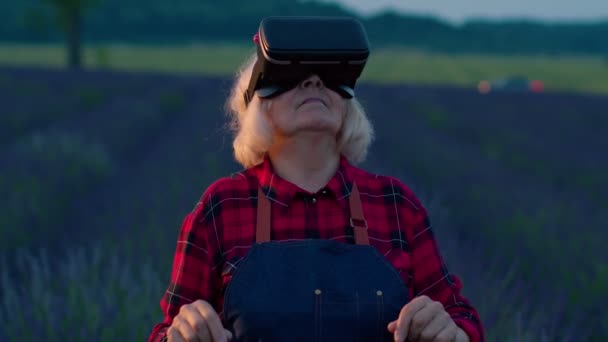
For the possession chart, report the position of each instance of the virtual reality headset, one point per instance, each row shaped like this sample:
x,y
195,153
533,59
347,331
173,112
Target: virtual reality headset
x,y
290,49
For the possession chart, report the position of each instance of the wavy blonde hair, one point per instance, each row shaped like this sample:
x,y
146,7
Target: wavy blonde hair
x,y
253,132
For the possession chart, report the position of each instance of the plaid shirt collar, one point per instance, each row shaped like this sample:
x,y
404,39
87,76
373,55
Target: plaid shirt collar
x,y
283,192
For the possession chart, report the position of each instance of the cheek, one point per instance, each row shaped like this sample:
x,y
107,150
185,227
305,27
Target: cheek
x,y
275,107
338,102
340,106
277,112
268,109
280,104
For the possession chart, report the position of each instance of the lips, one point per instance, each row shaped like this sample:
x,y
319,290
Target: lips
x,y
312,100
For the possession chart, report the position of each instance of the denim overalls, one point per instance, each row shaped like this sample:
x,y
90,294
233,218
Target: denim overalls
x,y
313,290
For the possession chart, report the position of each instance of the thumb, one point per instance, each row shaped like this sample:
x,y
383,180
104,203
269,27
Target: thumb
x,y
228,334
392,326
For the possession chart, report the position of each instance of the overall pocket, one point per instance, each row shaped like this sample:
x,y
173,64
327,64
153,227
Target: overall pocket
x,y
355,316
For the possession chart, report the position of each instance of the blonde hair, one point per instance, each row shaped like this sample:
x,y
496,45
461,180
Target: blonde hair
x,y
253,132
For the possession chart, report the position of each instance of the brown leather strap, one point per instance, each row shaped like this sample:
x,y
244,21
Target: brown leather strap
x,y
357,219
262,232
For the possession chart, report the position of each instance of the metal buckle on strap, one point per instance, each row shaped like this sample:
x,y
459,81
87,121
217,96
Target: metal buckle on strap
x,y
352,223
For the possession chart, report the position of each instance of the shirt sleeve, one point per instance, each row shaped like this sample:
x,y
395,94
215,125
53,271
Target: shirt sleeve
x,y
432,278
193,275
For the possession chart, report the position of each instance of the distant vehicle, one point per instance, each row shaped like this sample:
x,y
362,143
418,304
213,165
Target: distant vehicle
x,y
513,83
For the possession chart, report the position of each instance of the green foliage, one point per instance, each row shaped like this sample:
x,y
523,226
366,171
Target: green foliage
x,y
37,20
434,115
91,97
102,57
493,150
66,10
592,286
196,20
172,101
156,21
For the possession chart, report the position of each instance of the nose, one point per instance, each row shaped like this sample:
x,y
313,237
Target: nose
x,y
312,81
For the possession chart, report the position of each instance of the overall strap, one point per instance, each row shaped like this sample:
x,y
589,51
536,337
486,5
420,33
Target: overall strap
x,y
357,219
262,231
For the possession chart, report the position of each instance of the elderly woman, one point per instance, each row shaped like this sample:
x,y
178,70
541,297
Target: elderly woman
x,y
303,245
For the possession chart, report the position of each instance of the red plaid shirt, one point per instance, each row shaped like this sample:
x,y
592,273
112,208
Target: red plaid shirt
x,y
219,231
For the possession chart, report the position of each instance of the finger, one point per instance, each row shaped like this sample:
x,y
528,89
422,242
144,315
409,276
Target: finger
x,y
196,321
213,321
435,326
173,335
184,329
392,326
406,315
228,334
423,318
447,334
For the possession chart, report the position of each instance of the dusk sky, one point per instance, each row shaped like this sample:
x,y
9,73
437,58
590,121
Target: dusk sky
x,y
458,10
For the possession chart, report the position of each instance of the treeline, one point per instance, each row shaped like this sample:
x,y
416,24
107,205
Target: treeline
x,y
160,21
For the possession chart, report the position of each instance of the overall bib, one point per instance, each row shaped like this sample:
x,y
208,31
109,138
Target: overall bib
x,y
313,290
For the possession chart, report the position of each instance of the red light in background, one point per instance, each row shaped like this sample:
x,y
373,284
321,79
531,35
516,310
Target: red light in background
x,y
484,87
537,86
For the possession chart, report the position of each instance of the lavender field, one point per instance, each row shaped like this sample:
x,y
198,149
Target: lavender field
x,y
98,169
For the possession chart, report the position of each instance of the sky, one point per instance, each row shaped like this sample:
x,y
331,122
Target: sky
x,y
457,11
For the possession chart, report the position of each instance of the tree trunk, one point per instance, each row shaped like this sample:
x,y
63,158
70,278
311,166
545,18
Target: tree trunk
x,y
74,38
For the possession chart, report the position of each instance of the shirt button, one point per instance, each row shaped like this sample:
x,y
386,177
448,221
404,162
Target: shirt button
x,y
314,200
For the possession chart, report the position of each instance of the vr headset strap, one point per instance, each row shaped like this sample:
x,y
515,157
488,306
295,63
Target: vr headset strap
x,y
255,76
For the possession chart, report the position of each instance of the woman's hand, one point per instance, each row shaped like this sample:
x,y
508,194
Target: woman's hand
x,y
425,320
199,322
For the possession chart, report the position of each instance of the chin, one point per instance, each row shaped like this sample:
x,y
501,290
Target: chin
x,y
320,131
317,123
329,126
316,130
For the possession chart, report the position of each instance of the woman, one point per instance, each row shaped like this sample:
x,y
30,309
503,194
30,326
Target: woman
x,y
303,245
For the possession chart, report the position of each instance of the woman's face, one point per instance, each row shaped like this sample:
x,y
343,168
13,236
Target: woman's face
x,y
309,107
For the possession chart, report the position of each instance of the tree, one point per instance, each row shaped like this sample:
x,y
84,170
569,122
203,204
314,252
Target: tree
x,y
69,16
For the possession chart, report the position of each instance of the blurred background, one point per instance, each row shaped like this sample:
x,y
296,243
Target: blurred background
x,y
112,124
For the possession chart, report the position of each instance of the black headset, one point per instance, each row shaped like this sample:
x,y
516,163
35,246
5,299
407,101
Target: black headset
x,y
290,49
